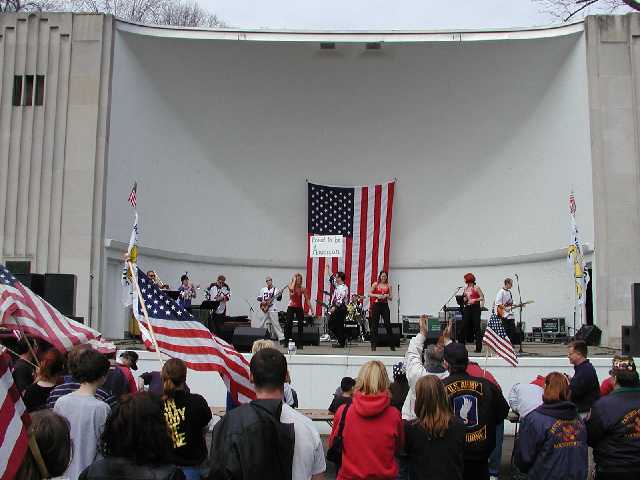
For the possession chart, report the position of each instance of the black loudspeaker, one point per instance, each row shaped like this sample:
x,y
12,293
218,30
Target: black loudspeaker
x,y
310,336
635,305
243,337
630,340
60,291
33,281
383,337
590,334
18,266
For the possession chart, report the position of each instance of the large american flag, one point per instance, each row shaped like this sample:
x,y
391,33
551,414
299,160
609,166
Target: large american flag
x,y
180,335
21,309
495,337
13,423
363,216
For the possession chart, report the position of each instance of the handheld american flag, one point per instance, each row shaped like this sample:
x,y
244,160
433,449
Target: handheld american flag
x,y
362,215
21,309
14,420
178,334
133,196
495,337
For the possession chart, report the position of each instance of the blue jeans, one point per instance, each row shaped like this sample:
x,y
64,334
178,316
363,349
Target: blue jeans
x,y
495,459
191,473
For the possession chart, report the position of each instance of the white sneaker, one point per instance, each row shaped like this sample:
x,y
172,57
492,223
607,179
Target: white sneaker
x,y
325,338
493,478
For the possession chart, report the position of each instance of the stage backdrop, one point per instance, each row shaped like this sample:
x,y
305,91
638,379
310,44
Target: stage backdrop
x,y
486,139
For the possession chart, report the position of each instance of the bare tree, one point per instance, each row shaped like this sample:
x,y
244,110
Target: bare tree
x,y
567,9
187,13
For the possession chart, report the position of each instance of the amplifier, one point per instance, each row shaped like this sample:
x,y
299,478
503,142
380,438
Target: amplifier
x,y
411,326
553,325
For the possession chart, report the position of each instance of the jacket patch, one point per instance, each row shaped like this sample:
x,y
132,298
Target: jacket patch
x,y
466,409
565,433
631,422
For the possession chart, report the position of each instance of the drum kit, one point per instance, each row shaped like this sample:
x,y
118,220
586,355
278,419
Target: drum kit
x,y
356,325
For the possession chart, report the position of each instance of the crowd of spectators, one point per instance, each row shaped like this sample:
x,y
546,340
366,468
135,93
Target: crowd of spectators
x,y
442,417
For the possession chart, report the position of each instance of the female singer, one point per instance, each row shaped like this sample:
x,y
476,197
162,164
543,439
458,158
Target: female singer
x,y
298,303
473,303
381,294
187,292
338,310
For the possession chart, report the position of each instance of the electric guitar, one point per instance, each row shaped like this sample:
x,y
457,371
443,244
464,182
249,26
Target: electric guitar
x,y
265,305
501,310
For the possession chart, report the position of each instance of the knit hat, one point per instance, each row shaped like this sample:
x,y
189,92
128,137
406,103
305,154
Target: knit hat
x,y
623,364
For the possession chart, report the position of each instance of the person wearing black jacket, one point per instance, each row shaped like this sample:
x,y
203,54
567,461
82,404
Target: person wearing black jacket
x,y
584,386
614,426
265,439
479,405
552,443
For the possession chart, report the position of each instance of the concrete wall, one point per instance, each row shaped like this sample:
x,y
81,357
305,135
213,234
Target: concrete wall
x,y
613,54
486,140
52,157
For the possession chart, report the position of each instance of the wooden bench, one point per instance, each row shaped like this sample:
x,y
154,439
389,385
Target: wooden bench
x,y
315,414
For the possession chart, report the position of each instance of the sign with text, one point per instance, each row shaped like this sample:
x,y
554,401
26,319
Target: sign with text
x,y
328,246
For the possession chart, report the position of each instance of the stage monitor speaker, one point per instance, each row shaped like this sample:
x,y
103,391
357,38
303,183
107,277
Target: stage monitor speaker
x,y
630,340
33,281
60,291
18,266
243,337
635,305
590,334
310,335
383,336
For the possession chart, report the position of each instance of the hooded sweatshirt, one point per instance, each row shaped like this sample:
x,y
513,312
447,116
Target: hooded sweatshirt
x,y
373,434
552,443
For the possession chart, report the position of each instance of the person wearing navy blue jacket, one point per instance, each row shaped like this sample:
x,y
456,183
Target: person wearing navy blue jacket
x,y
552,443
584,386
614,426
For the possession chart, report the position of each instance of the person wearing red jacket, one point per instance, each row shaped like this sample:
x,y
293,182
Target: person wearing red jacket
x,y
373,431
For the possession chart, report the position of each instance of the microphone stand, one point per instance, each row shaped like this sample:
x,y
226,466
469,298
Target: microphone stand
x,y
520,332
399,320
454,335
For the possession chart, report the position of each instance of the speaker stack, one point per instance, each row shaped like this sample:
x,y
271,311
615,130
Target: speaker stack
x,y
60,291
243,337
631,334
383,337
310,336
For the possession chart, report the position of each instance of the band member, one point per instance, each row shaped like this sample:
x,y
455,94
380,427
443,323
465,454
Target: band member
x,y
380,296
187,292
268,312
298,303
220,294
504,306
155,278
473,303
338,310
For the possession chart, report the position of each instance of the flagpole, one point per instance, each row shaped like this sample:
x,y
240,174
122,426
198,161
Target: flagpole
x,y
26,339
134,280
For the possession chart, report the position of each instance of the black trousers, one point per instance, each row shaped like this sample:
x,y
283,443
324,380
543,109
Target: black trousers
x,y
216,320
380,309
298,313
617,476
336,323
512,332
471,325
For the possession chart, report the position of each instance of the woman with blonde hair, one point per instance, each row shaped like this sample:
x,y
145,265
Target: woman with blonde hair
x,y
187,416
434,440
298,303
552,443
372,433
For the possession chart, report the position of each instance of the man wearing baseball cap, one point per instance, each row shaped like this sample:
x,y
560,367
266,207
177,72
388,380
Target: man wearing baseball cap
x,y
480,406
614,425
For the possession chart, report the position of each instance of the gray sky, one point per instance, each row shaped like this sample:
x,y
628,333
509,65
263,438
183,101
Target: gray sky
x,y
379,14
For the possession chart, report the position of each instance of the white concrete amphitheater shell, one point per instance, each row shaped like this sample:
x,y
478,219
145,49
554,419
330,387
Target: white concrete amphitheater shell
x,y
486,133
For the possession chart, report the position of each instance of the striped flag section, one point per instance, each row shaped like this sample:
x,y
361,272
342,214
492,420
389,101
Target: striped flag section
x,y
133,196
23,310
362,215
179,335
495,337
14,420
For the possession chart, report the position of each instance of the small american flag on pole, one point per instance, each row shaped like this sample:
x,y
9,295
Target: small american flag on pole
x,y
495,337
23,310
133,196
14,420
362,215
179,335
572,204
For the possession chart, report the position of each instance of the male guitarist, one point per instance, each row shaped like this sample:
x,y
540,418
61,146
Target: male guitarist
x,y
268,314
504,309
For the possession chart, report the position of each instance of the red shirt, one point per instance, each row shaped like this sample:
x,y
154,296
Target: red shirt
x,y
606,387
373,434
133,386
295,298
472,293
475,370
381,289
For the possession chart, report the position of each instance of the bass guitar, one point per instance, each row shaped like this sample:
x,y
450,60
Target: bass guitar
x,y
501,310
265,305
